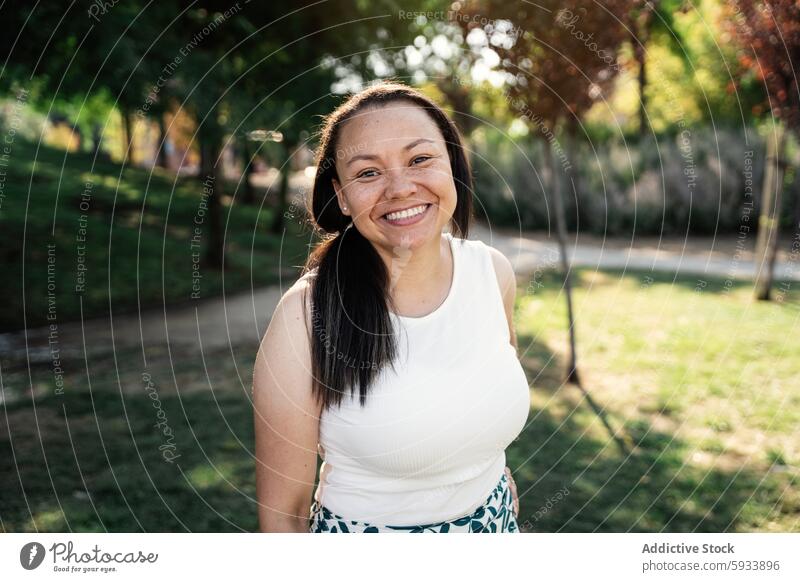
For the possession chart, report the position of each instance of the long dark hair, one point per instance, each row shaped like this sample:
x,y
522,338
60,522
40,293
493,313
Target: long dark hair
x,y
352,335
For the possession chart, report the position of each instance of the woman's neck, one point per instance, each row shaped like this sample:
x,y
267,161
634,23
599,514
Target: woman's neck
x,y
419,279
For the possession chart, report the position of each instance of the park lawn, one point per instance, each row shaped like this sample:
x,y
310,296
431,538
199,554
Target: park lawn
x,y
137,250
696,394
99,447
686,382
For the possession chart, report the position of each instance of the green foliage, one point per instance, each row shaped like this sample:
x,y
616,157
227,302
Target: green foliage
x,y
691,182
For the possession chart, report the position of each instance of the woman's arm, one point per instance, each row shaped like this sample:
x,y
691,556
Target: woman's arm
x,y
507,281
286,419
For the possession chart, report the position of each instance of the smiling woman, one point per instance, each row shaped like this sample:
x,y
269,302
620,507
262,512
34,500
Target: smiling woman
x,y
393,357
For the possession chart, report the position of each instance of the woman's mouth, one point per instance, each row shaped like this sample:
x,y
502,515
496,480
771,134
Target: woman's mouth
x,y
407,217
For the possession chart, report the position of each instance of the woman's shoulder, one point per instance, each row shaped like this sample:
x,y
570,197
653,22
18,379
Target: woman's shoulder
x,y
302,285
502,267
309,274
501,263
295,303
506,278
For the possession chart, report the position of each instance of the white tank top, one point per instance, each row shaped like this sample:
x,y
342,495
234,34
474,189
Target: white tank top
x,y
430,443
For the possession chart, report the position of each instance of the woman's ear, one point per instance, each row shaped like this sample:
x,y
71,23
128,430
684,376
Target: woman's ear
x,y
340,197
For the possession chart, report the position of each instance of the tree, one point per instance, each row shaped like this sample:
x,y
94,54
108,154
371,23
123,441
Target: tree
x,y
234,57
769,33
559,62
300,95
78,55
235,67
249,157
652,18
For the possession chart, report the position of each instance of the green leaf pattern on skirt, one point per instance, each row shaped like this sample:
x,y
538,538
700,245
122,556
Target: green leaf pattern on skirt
x,y
496,515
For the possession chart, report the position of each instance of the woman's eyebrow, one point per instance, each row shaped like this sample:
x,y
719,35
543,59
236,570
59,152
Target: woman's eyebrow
x,y
407,147
361,157
416,142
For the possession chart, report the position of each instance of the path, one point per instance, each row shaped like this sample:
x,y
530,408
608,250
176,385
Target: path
x,y
241,319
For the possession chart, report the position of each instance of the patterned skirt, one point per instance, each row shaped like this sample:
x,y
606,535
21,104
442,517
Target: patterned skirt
x,y
496,515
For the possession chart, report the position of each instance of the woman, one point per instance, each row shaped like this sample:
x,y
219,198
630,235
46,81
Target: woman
x,y
394,356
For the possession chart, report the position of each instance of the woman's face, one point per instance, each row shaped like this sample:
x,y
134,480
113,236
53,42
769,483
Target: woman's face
x,y
395,178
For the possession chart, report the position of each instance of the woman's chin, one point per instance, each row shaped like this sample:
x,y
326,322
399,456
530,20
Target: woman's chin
x,y
414,238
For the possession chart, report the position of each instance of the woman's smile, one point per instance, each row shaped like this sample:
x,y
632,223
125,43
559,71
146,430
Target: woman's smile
x,y
408,216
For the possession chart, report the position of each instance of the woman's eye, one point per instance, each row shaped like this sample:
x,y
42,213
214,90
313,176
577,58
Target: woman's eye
x,y
419,159
367,174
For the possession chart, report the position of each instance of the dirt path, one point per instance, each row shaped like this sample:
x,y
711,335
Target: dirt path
x,y
242,319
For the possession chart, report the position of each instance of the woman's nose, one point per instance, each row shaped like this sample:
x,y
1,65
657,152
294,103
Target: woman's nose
x,y
400,185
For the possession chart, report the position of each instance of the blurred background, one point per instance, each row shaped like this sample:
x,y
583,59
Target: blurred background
x,y
637,162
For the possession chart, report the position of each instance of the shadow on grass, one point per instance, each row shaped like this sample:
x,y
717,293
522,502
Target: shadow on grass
x,y
571,477
104,468
93,462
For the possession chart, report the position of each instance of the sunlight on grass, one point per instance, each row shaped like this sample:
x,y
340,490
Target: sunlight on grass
x,y
205,476
699,348
47,520
702,378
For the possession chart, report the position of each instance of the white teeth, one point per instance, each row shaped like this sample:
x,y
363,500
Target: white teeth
x,y
406,213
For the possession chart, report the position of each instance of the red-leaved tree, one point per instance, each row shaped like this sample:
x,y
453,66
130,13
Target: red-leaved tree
x,y
769,34
560,59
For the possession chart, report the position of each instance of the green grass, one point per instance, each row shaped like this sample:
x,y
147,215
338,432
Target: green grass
x,y
94,463
697,394
701,388
137,231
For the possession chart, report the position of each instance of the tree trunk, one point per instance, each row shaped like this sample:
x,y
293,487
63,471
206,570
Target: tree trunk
x,y
161,153
644,22
249,191
460,99
96,137
641,55
561,230
210,148
583,207
78,135
283,190
127,138
769,217
796,219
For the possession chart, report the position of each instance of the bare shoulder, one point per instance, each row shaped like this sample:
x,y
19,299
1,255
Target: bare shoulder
x,y
300,287
294,308
295,304
284,357
504,271
507,281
